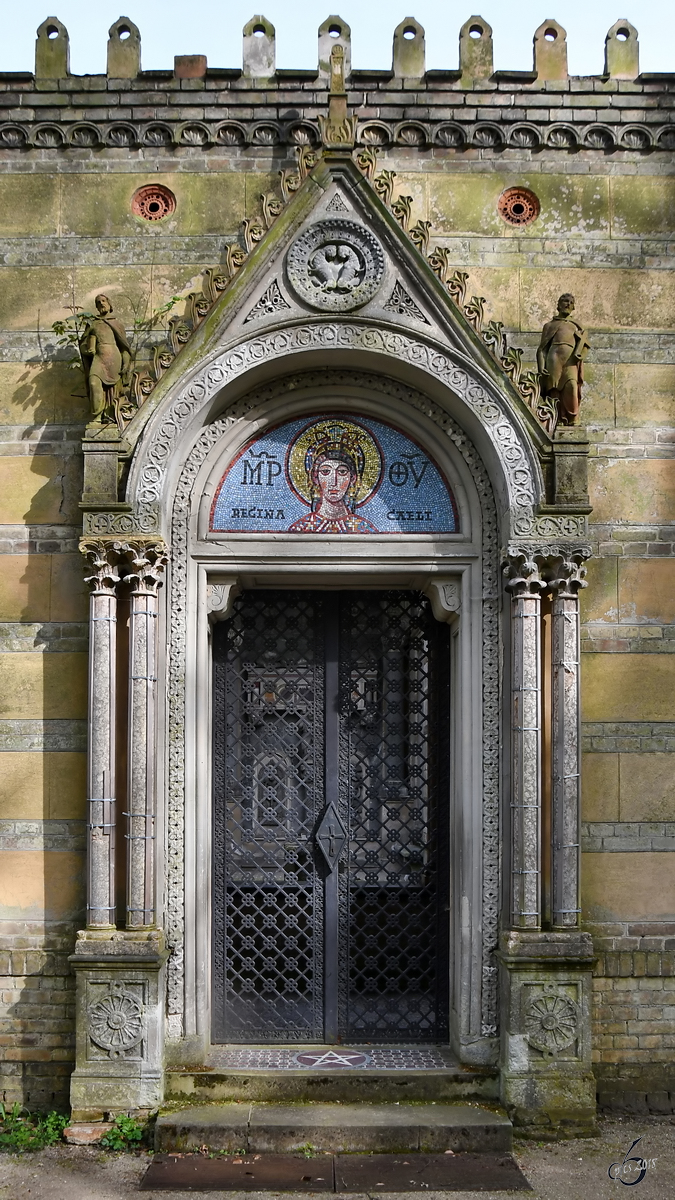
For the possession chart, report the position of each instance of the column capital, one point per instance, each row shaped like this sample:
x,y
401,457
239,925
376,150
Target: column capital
x,y
533,569
522,571
566,572
145,559
102,556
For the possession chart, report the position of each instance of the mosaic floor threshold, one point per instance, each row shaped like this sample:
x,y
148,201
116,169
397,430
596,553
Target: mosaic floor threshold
x,y
331,1058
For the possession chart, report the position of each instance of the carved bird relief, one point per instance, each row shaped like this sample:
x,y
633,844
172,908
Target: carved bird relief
x,y
336,268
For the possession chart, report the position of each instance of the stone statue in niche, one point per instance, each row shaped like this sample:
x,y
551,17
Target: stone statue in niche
x,y
107,356
560,360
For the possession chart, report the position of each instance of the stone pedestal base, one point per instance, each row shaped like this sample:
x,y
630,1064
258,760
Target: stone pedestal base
x,y
547,1085
119,1064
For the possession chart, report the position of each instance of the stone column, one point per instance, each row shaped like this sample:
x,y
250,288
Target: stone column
x,y
120,974
565,579
525,584
146,561
102,557
546,1080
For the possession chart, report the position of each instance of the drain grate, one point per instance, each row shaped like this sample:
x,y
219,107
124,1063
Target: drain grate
x,y
339,1173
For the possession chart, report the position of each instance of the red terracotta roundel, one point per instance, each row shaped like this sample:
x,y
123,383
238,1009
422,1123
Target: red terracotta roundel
x,y
153,202
518,206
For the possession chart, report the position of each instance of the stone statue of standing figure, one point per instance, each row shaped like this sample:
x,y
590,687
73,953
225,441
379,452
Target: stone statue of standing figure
x,y
560,359
107,357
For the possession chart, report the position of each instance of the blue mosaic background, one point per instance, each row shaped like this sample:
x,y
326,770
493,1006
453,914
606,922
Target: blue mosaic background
x,y
254,495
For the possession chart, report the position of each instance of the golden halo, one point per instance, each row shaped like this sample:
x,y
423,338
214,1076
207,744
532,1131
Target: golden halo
x,y
353,438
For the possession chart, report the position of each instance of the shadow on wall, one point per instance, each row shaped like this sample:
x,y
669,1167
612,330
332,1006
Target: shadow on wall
x,y
43,681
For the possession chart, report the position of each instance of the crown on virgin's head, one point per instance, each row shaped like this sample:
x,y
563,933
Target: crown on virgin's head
x,y
337,439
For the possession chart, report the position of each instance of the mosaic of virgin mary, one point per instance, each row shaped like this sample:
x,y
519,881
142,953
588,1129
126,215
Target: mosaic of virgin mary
x,y
334,466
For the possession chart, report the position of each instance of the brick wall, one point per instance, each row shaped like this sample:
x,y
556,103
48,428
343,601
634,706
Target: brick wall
x,y
634,1018
37,1018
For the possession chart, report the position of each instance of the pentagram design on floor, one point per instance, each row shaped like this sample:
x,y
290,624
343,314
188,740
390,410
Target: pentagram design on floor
x,y
318,1059
324,1057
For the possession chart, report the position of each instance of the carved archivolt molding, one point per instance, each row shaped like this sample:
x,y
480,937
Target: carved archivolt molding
x,y
184,502
492,411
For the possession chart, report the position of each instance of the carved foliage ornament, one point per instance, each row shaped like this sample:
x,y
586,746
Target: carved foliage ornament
x,y
116,1022
335,265
401,302
271,302
551,1021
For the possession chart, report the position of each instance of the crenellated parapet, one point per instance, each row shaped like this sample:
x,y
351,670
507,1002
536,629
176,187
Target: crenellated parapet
x,y
582,114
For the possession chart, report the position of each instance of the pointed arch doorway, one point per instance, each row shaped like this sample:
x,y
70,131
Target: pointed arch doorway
x,y
331,808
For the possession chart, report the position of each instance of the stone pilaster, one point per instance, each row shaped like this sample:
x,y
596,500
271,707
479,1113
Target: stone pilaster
x,y
524,582
102,559
565,579
146,561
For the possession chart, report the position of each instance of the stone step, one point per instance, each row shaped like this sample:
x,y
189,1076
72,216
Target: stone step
x,y
216,1084
334,1128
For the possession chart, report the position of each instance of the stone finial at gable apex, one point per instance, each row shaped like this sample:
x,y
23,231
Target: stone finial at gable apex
x,y
124,50
338,129
475,50
550,52
52,50
259,48
622,51
334,32
409,51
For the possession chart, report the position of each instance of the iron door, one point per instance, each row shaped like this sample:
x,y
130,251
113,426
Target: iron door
x,y
330,819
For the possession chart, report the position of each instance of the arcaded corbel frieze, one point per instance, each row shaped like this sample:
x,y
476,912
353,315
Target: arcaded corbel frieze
x,y
145,561
446,598
220,598
102,558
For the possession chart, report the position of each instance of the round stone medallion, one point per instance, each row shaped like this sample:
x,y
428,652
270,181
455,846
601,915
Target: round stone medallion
x,y
335,265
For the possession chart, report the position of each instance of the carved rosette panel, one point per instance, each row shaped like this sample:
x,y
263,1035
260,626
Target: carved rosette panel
x,y
551,1021
116,1022
335,265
